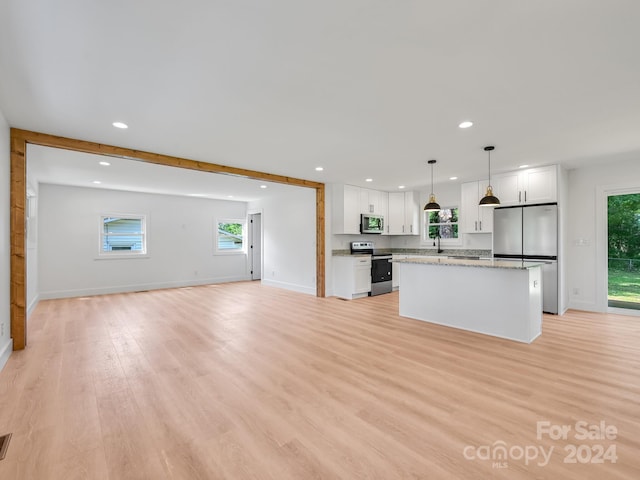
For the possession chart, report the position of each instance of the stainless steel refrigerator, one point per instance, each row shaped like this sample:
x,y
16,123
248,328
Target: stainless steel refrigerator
x,y
530,233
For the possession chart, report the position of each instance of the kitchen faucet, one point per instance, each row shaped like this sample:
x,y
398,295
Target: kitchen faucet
x,y
434,242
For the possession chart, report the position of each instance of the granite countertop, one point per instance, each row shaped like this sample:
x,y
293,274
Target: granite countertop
x,y
447,252
460,262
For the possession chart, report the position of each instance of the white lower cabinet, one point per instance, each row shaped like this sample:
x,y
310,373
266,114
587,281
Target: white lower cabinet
x,y
352,276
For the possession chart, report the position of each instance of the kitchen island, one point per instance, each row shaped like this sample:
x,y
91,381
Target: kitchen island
x,y
495,297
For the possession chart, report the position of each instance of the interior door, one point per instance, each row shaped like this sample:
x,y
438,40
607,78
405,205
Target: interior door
x,y
255,245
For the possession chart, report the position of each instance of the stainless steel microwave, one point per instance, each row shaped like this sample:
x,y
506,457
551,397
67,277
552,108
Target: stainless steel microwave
x,y
370,223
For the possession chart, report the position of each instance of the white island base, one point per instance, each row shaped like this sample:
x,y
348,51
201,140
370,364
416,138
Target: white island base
x,y
503,299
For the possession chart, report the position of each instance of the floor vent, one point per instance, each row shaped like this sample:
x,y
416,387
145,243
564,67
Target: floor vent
x,y
4,444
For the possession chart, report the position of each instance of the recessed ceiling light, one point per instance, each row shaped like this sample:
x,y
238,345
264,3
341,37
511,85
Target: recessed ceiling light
x,y
319,169
229,196
453,178
401,186
368,179
465,124
120,125
197,194
97,182
105,164
263,186
523,166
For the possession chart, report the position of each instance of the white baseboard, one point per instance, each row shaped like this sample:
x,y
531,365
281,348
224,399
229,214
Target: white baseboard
x,y
289,286
585,306
5,352
32,306
87,292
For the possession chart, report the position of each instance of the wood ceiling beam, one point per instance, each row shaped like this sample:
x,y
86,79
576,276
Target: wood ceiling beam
x,y
19,140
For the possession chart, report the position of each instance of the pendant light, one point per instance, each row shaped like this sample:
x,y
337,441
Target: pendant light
x,y
432,205
489,200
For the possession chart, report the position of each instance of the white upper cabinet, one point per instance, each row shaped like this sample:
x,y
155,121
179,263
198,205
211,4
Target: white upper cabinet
x,y
404,214
412,213
395,221
540,185
346,209
475,219
350,201
400,210
534,185
371,201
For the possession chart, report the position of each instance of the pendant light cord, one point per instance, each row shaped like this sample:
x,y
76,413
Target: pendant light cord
x,y
432,179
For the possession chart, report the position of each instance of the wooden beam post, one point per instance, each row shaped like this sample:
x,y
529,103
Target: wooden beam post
x,y
18,222
320,243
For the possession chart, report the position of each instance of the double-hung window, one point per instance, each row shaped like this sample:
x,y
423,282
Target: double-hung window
x,y
443,224
230,236
123,235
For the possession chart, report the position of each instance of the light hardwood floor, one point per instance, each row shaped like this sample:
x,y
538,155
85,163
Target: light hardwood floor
x,y
241,381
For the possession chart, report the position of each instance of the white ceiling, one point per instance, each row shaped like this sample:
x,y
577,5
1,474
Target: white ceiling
x,y
364,88
64,167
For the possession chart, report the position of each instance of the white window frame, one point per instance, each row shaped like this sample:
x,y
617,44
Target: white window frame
x,y
224,251
123,253
429,242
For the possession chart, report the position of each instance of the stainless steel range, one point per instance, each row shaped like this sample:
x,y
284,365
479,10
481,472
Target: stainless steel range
x,y
381,280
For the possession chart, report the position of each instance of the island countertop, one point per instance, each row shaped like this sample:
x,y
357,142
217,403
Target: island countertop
x,y
498,297
465,262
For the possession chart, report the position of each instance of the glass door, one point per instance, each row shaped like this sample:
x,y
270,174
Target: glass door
x,y
623,257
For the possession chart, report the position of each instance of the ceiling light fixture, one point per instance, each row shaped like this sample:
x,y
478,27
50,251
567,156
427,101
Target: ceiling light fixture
x,y
319,169
523,166
401,187
104,164
263,186
97,182
368,179
120,125
453,178
489,200
465,124
432,205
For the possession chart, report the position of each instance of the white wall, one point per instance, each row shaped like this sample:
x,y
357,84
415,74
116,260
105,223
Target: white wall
x,y
289,239
180,242
6,344
586,229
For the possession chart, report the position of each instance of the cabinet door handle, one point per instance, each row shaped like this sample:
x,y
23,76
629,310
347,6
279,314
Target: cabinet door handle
x,y
519,197
402,228
481,225
411,228
525,196
476,226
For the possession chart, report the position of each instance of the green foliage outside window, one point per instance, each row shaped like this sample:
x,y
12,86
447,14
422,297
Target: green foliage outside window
x,y
443,223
